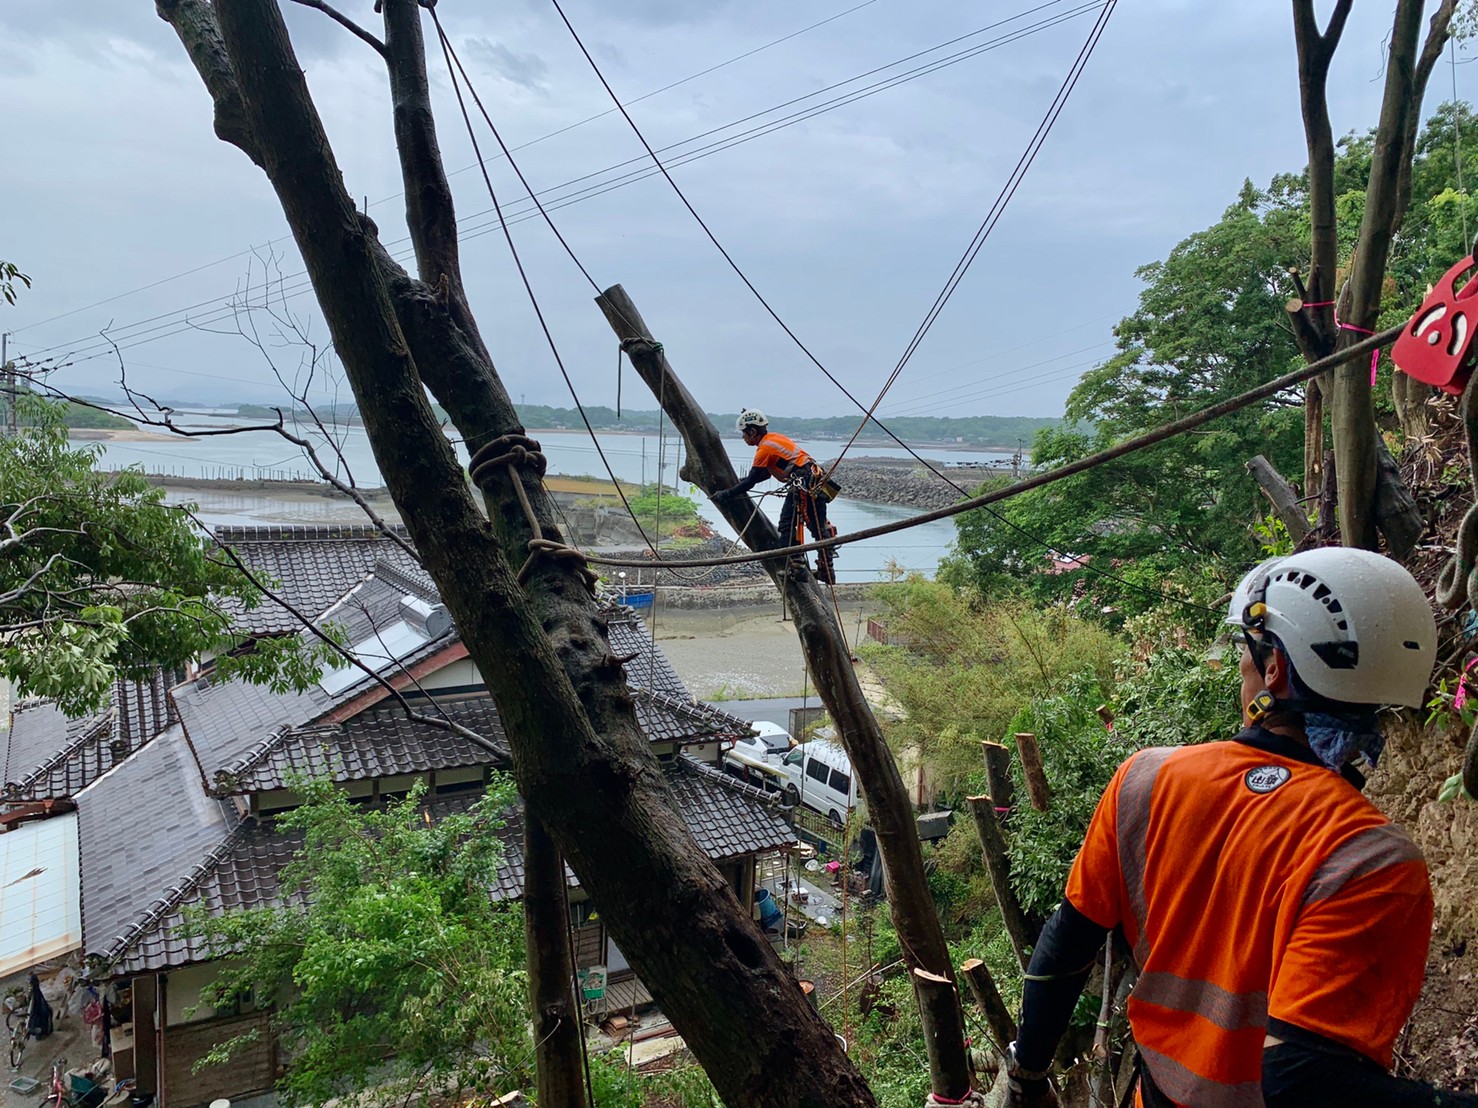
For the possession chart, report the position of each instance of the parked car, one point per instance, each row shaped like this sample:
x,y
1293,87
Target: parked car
x,y
818,775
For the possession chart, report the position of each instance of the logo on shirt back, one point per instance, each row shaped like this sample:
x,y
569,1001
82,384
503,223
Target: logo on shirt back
x,y
1264,779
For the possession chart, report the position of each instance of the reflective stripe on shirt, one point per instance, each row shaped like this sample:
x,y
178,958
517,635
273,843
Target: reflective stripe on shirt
x,y
1365,852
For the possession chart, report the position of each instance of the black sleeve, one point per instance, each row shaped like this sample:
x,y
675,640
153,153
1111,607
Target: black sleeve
x,y
1060,964
1309,1071
756,475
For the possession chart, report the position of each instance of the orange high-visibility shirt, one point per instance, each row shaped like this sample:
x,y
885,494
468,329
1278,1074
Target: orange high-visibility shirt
x,y
779,455
1253,883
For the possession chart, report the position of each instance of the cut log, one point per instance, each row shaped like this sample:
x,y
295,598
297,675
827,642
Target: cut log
x,y
1020,928
939,1014
1282,496
1031,767
998,776
997,1015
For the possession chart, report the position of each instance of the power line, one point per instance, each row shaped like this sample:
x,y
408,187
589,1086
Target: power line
x,y
868,413
90,343
522,146
1071,469
997,209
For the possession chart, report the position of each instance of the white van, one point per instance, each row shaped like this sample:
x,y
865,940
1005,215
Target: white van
x,y
756,758
818,775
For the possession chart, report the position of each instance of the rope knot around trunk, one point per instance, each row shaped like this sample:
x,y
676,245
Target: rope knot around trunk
x,y
512,452
971,1099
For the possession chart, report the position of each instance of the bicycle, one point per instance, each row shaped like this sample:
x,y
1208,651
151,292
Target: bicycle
x,y
17,1024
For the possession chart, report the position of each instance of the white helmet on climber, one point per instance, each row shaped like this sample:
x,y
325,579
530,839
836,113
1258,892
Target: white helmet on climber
x,y
751,417
1355,625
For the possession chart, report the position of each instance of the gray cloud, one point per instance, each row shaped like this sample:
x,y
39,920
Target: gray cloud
x,y
524,68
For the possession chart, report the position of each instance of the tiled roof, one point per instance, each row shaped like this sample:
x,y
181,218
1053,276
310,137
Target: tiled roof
x,y
728,819
226,721
49,755
650,669
667,718
381,742
309,567
142,828
241,869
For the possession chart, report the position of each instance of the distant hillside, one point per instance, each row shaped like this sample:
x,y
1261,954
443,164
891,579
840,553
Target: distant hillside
x,y
1003,432
81,416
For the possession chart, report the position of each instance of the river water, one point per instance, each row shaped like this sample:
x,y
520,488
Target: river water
x,y
263,455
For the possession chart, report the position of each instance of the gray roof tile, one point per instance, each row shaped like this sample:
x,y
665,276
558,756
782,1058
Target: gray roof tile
x,y
48,755
241,868
309,567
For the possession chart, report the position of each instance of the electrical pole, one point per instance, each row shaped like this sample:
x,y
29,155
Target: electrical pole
x,y
7,385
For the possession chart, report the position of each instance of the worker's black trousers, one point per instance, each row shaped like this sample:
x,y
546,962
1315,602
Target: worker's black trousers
x,y
812,509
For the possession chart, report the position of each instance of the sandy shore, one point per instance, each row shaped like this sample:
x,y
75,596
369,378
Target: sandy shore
x,y
740,653
121,434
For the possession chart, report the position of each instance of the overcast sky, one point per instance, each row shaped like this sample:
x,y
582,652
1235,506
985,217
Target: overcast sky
x,y
117,190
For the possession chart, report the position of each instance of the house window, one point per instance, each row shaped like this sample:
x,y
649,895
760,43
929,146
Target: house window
x,y
841,782
816,771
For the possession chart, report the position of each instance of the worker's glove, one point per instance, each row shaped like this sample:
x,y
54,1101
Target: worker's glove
x,y
723,496
1026,1088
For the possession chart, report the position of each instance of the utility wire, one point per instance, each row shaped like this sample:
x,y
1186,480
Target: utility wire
x,y
91,343
522,146
997,209
1092,461
868,413
452,70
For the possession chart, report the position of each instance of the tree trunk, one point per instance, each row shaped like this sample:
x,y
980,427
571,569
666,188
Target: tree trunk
x,y
1031,769
1281,495
997,1015
1020,928
582,764
998,777
1348,390
558,1055
889,808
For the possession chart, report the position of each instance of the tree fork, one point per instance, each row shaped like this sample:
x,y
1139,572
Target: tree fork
x,y
598,789
889,808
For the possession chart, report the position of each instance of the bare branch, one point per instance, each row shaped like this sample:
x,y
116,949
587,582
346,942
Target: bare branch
x,y
443,724
345,22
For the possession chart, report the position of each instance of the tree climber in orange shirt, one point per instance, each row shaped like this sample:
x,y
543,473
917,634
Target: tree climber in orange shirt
x,y
1279,920
779,457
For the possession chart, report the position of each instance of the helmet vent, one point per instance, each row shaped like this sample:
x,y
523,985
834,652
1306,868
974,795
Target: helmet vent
x,y
1343,625
1333,606
1321,592
1412,645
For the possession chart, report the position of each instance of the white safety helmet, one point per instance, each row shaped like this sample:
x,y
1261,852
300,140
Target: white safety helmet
x,y
751,417
1355,625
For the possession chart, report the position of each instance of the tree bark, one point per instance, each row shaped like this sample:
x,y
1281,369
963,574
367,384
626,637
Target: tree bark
x,y
997,1015
581,762
998,777
558,1057
939,1017
889,808
1031,768
1348,390
1281,495
1020,927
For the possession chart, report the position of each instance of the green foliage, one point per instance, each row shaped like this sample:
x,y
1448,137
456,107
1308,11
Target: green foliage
x,y
10,276
966,670
387,960
659,508
99,577
616,1085
1210,324
84,416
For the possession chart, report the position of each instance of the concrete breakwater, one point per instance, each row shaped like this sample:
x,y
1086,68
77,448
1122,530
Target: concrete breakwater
x,y
906,483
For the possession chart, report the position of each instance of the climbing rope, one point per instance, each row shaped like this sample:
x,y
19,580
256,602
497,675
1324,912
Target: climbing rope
x,y
513,453
1457,584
